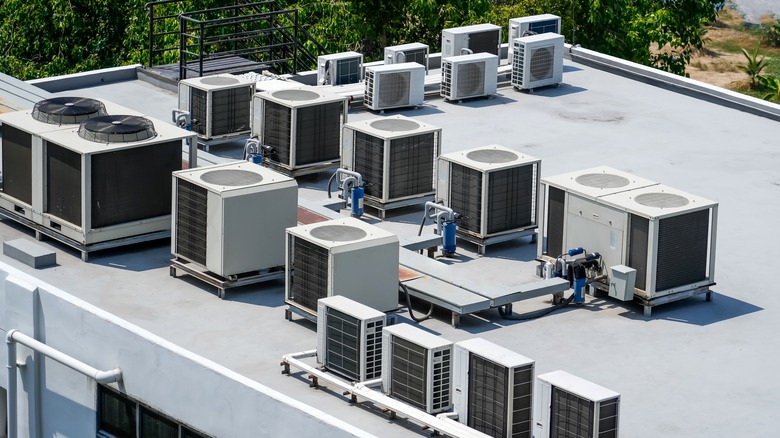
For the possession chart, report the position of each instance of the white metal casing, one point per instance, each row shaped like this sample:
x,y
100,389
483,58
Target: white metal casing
x,y
537,61
579,387
247,210
214,84
471,39
367,357
361,264
538,24
387,129
394,86
467,76
411,52
463,392
339,68
437,363
486,160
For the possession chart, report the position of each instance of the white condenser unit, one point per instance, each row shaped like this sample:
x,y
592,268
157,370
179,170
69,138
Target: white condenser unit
x,y
493,187
466,40
537,61
568,406
231,218
416,367
394,86
412,52
396,156
493,389
220,105
301,126
341,257
467,76
349,338
532,25
339,68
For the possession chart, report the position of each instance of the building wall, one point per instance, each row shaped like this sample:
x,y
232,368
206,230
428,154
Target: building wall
x,y
57,401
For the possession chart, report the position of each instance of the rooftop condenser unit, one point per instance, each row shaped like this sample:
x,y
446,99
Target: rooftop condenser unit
x,y
349,338
396,156
532,25
394,86
341,257
468,76
416,367
493,389
231,218
340,68
412,52
537,61
302,127
466,40
568,406
220,105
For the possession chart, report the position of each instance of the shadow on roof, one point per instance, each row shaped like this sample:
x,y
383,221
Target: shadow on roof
x,y
696,310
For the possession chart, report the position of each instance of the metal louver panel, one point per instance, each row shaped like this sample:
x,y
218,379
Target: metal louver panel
x,y
446,79
17,163
277,127
637,248
348,71
318,133
484,42
369,162
522,402
309,273
374,349
411,165
466,196
556,212
682,250
199,109
190,221
409,377
571,416
488,396
342,340
63,183
370,91
518,64
394,89
471,79
542,62
441,380
511,199
608,418
230,111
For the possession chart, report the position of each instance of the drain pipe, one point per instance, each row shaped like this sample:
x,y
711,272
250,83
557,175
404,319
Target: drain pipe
x,y
12,338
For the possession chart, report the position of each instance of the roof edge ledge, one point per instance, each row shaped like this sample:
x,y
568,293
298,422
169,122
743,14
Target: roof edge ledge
x,y
86,79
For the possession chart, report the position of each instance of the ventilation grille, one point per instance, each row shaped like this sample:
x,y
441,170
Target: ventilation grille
x,y
522,401
309,273
518,64
394,89
556,212
347,71
466,196
190,221
682,250
411,165
374,349
63,183
67,110
409,377
277,126
343,345
571,416
369,163
318,133
491,393
608,418
412,55
16,163
441,380
471,79
446,79
231,110
545,26
117,129
199,109
511,199
542,63
637,248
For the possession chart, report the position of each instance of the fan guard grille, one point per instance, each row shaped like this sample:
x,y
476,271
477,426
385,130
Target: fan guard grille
x,y
117,129
67,110
338,233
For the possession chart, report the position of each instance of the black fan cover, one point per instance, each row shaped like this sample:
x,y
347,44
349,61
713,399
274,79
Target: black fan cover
x,y
117,129
67,110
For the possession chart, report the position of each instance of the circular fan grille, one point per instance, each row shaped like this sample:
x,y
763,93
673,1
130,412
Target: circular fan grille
x,y
67,110
295,95
542,63
394,90
394,125
491,156
661,200
117,129
338,233
471,79
231,177
214,80
602,180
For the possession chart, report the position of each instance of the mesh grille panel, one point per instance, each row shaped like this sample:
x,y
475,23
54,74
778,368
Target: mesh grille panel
x,y
369,163
342,341
608,418
199,110
542,60
441,380
277,125
488,396
309,273
394,89
571,415
348,71
556,212
471,79
411,165
409,378
17,163
484,42
67,110
63,183
637,249
544,26
466,196
117,129
374,349
318,133
191,217
230,110
518,63
682,250
446,79
511,199
522,402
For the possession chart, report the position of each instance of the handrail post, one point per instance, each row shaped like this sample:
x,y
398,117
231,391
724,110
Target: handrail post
x,y
200,51
151,33
295,42
182,48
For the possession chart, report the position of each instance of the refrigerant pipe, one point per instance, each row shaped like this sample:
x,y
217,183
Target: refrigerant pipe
x,y
354,198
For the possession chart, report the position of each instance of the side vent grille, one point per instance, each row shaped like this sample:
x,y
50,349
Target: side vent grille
x,y
410,379
191,213
277,126
17,163
488,400
571,415
466,196
63,174
370,87
309,273
318,133
446,78
518,63
369,158
374,350
411,165
608,418
199,105
511,198
522,401
343,344
637,255
682,238
556,212
230,110
441,380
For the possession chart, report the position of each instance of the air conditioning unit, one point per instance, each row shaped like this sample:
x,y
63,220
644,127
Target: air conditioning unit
x,y
493,389
569,406
416,367
394,86
220,105
468,76
341,257
396,156
412,52
111,178
471,39
537,61
301,125
340,68
494,187
532,25
231,218
349,338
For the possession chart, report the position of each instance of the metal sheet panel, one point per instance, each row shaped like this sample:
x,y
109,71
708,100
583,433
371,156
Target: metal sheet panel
x,y
637,248
682,250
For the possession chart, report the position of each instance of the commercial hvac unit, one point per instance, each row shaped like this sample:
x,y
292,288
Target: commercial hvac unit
x,y
468,76
231,218
493,187
394,86
412,52
493,389
416,367
349,338
301,126
341,257
220,105
537,61
339,68
568,406
396,156
532,25
466,40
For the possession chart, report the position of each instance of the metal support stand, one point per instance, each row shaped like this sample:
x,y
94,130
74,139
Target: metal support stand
x,y
222,283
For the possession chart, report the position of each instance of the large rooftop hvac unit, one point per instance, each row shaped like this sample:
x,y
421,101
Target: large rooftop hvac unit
x,y
532,25
412,52
394,86
301,125
341,257
466,76
349,338
494,187
231,218
476,38
220,105
416,367
568,406
396,156
493,389
339,68
537,61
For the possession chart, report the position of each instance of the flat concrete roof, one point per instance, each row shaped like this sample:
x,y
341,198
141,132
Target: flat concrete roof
x,y
692,369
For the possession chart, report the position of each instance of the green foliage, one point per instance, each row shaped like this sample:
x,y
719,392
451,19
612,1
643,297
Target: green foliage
x,y
772,84
771,35
754,65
